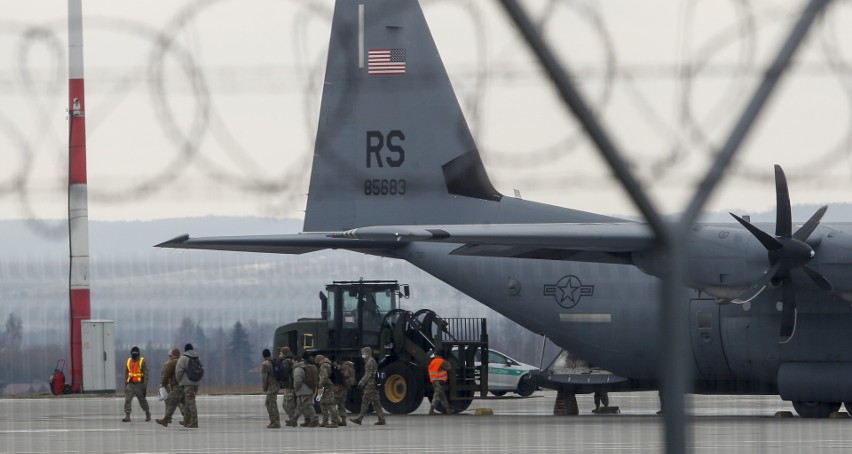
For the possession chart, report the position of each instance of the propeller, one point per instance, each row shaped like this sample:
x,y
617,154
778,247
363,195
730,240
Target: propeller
x,y
787,251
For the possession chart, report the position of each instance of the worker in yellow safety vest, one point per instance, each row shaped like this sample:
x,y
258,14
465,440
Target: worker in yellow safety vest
x,y
438,368
136,383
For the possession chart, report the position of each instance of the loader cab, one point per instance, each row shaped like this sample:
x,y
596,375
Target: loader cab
x,y
355,310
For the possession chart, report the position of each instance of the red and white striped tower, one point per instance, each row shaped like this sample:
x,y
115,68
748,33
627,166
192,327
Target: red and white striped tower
x,y
78,210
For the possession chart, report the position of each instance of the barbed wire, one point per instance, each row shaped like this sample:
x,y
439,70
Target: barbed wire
x,y
173,76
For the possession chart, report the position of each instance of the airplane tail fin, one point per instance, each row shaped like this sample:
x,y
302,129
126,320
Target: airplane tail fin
x,y
392,144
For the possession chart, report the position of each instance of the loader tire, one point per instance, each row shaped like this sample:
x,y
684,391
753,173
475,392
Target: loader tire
x,y
403,388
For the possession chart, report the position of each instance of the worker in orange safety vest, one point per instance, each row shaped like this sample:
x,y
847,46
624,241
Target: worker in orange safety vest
x,y
438,368
136,383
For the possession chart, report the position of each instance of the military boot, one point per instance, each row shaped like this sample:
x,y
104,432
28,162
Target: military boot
x,y
274,425
380,422
306,423
314,423
126,417
147,416
324,423
163,422
356,420
342,422
291,423
332,425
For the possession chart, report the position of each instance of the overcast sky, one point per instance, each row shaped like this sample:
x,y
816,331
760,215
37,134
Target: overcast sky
x,y
210,107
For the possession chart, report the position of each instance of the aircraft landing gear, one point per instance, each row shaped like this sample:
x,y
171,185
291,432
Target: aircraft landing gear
x,y
566,404
811,409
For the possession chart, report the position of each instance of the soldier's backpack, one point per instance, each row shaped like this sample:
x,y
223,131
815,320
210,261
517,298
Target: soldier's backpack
x,y
194,369
281,371
311,376
347,369
336,376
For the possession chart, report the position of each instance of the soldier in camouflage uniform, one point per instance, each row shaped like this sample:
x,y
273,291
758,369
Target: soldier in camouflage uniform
x,y
270,387
189,387
184,393
304,396
169,381
288,397
368,384
328,402
342,389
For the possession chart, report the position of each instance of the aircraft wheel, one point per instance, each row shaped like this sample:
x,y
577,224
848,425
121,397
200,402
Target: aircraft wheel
x,y
498,393
811,409
526,387
403,389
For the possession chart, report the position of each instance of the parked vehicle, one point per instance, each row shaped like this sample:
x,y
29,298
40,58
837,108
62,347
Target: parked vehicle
x,y
506,375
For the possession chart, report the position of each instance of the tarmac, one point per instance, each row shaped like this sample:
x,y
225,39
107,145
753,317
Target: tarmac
x,y
237,424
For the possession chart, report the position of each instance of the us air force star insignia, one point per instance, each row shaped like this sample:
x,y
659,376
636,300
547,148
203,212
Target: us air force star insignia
x,y
568,291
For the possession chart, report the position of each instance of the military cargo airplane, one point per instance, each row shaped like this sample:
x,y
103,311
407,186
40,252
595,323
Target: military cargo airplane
x,y
396,173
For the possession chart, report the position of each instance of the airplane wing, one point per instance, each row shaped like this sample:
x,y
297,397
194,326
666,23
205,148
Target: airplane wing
x,y
579,242
279,244
584,242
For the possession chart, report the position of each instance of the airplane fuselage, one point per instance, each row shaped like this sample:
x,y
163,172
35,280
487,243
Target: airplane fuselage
x,y
608,315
